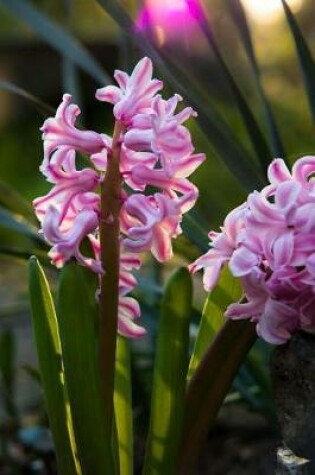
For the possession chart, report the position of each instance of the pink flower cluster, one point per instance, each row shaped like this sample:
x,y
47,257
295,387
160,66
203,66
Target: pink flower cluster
x,y
156,150
269,243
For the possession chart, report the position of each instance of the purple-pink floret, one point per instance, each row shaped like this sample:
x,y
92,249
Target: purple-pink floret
x,y
269,244
156,150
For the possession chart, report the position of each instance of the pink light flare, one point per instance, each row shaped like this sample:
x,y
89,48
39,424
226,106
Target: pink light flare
x,y
167,21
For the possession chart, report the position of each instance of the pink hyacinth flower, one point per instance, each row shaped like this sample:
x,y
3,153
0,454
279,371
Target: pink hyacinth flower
x,y
272,250
223,245
177,188
150,222
61,131
135,92
69,183
161,132
71,210
66,244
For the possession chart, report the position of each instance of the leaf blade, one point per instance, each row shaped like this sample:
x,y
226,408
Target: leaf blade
x,y
46,335
14,201
307,63
169,380
226,292
77,319
17,224
239,17
57,37
123,405
42,107
253,129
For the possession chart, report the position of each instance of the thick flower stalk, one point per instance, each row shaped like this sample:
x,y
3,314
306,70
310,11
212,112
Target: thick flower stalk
x,y
268,242
108,201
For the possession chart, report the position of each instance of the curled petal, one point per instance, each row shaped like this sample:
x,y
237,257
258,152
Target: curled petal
x,y
150,223
67,244
61,131
243,261
111,94
142,175
69,194
277,323
128,311
212,264
278,171
303,169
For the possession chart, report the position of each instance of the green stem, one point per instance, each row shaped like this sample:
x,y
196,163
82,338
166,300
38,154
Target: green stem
x,y
109,238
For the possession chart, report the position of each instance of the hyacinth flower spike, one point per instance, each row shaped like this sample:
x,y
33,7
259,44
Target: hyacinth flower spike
x,y
268,242
150,146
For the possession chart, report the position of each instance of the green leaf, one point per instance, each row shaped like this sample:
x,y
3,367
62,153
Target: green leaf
x,y
118,13
195,233
13,201
253,129
47,340
77,319
226,292
123,405
7,370
41,106
169,379
240,20
25,254
17,223
305,57
228,147
33,373
210,384
57,37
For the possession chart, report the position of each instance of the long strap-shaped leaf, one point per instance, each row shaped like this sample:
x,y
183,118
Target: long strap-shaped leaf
x,y
305,57
240,20
215,128
226,292
123,406
57,37
253,129
169,378
41,106
47,340
195,233
210,385
14,201
77,319
25,254
16,223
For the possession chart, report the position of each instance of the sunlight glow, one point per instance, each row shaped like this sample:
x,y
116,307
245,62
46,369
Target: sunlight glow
x,y
267,11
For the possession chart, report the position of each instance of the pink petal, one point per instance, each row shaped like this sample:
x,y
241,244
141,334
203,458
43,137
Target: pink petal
x,y
111,94
278,172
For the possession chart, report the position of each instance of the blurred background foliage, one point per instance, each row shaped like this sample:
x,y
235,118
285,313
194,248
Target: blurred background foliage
x,y
36,66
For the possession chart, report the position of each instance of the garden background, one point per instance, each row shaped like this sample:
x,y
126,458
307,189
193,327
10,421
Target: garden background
x,y
35,59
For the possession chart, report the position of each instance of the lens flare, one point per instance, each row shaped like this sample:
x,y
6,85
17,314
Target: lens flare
x,y
166,20
267,11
